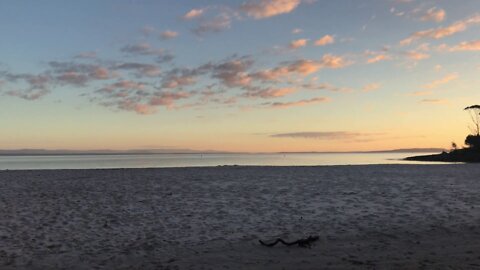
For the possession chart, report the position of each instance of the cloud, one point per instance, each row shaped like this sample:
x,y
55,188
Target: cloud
x,y
302,67
441,32
261,9
448,78
434,14
233,72
325,40
168,34
193,14
175,81
324,86
303,102
34,86
217,24
73,78
371,87
269,92
140,69
324,135
141,49
297,31
379,58
29,94
167,98
148,30
421,93
466,46
434,101
415,55
298,43
101,73
122,85
86,55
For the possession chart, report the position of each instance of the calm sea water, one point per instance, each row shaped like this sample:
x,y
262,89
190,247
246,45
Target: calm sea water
x,y
192,160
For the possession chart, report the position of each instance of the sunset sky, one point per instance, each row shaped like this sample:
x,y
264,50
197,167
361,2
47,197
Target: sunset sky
x,y
246,75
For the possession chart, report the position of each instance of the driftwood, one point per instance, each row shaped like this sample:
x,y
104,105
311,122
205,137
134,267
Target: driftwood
x,y
305,242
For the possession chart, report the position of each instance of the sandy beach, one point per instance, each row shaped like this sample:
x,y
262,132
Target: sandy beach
x,y
366,217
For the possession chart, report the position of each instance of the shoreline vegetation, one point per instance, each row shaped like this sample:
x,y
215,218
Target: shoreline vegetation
x,y
465,155
469,154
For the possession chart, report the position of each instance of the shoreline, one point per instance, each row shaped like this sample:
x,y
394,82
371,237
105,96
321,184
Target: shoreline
x,y
428,163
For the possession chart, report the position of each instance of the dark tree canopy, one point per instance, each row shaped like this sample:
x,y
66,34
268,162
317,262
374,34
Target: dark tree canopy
x,y
473,141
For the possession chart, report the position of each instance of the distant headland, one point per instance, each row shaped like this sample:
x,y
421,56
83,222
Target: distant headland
x,y
470,153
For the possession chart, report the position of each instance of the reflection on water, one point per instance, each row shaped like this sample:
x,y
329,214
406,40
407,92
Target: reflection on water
x,y
192,160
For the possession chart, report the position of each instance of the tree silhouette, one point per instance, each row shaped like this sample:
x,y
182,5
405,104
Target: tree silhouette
x,y
474,112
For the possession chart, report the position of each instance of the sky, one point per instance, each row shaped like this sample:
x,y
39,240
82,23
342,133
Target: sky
x,y
238,75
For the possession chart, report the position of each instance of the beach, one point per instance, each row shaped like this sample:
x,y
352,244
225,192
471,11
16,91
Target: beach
x,y
366,217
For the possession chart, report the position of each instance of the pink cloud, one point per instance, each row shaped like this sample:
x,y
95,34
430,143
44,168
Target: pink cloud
x,y
168,34
295,44
101,73
434,14
167,98
379,58
302,67
261,9
448,78
415,55
194,13
325,40
441,32
466,46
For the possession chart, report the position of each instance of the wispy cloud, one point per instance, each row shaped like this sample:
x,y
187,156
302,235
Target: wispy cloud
x,y
378,58
297,31
463,46
302,67
261,9
421,93
416,55
86,55
327,135
434,101
193,14
303,102
434,14
257,92
371,87
140,69
168,34
217,24
448,78
141,49
441,32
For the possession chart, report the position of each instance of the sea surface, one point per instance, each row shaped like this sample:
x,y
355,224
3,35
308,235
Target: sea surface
x,y
194,160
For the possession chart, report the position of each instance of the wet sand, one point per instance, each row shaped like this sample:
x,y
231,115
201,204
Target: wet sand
x,y
367,217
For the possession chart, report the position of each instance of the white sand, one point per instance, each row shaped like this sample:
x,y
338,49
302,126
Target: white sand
x,y
367,217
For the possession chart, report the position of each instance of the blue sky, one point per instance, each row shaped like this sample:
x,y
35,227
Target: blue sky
x,y
233,75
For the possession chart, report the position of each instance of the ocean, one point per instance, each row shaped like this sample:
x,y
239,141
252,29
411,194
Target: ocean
x,y
198,160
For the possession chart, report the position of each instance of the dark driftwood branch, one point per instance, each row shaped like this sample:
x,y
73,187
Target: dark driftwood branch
x,y
305,242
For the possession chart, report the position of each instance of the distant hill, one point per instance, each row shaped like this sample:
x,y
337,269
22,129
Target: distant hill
x,y
45,152
58,152
406,150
